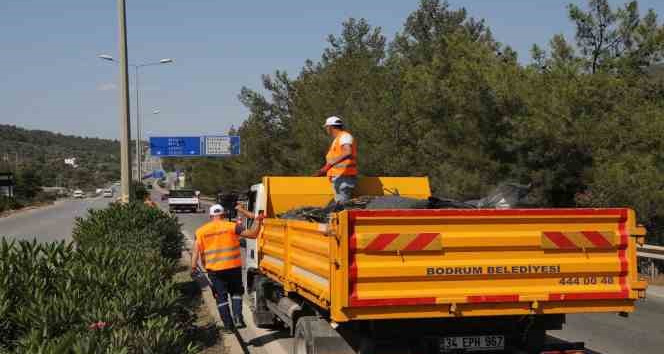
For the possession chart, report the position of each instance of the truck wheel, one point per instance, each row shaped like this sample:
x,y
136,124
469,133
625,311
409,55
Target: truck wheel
x,y
535,340
263,318
314,335
303,342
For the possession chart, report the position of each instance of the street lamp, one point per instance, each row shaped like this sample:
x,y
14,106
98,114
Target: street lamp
x,y
138,105
155,111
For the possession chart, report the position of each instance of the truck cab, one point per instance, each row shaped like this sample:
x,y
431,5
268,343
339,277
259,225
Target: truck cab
x,y
256,203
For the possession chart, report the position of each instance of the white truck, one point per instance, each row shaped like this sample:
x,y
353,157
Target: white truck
x,y
183,199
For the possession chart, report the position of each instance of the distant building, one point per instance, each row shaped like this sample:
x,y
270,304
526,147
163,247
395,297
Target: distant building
x,y
71,162
6,184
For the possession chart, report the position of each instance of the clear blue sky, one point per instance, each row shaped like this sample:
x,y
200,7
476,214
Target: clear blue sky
x,y
51,79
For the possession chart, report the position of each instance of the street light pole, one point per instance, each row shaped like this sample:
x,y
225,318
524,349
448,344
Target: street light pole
x,y
125,129
139,133
138,107
139,173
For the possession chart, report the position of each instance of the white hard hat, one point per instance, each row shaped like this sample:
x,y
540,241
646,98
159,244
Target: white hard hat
x,y
216,210
333,121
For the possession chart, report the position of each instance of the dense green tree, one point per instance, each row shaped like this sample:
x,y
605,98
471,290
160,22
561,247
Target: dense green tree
x,y
584,124
28,184
617,38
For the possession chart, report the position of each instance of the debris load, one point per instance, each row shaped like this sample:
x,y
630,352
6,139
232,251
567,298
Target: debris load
x,y
505,196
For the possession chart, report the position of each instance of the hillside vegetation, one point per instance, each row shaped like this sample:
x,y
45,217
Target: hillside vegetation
x,y
583,120
42,153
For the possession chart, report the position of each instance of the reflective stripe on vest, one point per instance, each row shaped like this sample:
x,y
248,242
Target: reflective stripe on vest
x,y
347,167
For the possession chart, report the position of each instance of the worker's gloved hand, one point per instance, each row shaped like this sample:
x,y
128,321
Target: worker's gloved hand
x,y
195,272
323,170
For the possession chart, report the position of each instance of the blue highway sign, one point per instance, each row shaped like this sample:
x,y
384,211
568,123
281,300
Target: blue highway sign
x,y
175,146
196,146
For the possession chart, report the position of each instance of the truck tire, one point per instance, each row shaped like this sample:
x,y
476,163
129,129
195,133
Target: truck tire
x,y
263,317
534,341
313,335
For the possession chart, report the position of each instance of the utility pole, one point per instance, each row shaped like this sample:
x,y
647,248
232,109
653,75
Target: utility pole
x,y
139,155
125,131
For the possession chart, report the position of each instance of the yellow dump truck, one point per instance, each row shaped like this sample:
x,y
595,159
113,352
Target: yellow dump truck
x,y
432,281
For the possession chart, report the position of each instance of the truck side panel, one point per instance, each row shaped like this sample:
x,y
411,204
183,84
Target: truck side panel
x,y
444,263
297,255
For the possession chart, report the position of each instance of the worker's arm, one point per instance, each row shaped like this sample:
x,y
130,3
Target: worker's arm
x,y
254,230
246,213
348,153
194,256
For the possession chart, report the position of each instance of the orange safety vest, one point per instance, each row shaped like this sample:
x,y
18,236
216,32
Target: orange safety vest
x,y
219,246
347,167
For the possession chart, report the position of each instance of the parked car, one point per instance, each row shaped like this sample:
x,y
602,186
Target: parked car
x,y
108,193
78,194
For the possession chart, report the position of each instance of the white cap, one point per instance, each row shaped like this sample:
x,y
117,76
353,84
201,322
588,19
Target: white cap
x,y
216,210
333,121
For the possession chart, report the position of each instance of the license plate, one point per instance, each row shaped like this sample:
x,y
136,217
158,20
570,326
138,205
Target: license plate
x,y
472,343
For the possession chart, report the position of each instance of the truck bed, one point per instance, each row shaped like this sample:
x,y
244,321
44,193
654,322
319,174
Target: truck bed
x,y
393,264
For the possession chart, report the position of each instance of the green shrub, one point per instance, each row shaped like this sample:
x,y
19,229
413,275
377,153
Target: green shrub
x,y
133,225
139,190
112,292
51,289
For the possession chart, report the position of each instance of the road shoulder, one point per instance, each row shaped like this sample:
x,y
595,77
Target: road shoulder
x,y
656,291
228,339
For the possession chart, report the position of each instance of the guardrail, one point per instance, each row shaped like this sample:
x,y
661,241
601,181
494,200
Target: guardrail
x,y
652,254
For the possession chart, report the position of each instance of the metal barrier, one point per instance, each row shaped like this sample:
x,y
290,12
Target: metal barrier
x,y
652,255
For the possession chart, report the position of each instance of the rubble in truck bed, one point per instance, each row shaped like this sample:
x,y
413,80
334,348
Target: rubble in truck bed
x,y
505,196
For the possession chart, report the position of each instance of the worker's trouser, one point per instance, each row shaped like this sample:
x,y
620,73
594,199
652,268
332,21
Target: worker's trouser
x,y
343,188
223,283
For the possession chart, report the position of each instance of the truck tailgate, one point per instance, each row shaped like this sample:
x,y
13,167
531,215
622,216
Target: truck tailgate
x,y
183,201
437,263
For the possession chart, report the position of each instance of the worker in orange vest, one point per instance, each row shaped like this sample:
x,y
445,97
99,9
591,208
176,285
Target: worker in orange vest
x,y
341,166
148,201
218,247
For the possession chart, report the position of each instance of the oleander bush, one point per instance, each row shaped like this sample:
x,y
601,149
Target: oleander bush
x,y
132,225
109,292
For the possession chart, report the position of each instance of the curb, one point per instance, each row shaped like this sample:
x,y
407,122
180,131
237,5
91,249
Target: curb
x,y
41,205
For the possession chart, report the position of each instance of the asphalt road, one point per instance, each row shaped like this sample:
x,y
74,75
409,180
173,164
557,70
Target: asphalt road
x,y
50,223
642,332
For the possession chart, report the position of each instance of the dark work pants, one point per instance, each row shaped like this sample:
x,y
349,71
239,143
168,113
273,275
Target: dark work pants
x,y
227,282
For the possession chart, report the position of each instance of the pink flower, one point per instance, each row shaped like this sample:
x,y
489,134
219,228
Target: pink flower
x,y
97,325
